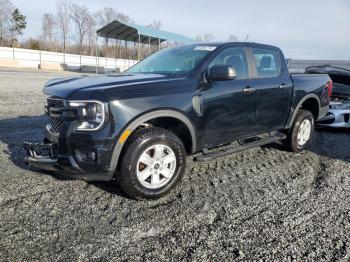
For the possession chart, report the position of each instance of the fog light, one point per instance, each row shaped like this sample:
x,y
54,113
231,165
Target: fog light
x,y
85,156
346,118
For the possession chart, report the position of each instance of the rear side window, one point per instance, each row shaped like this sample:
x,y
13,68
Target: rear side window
x,y
267,62
234,57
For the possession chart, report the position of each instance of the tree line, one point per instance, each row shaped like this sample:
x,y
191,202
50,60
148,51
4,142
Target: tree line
x,y
72,29
12,22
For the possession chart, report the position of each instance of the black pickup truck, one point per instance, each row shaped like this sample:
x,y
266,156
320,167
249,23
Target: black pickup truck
x,y
211,99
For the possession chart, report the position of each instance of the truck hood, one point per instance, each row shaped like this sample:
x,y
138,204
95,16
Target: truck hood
x,y
66,87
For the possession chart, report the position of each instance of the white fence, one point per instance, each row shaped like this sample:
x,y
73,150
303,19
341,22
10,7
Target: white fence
x,y
18,57
34,58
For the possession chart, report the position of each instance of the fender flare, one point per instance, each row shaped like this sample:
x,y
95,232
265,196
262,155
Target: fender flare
x,y
149,116
294,114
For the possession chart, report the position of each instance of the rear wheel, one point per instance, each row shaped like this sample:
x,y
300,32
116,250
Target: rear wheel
x,y
153,163
301,132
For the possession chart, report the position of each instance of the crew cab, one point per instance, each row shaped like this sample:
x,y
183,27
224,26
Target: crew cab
x,y
206,99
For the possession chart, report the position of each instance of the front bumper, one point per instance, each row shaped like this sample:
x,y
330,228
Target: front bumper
x,y
81,156
40,156
338,116
44,156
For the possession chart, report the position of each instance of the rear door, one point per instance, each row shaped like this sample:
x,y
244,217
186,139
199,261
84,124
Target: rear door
x,y
274,88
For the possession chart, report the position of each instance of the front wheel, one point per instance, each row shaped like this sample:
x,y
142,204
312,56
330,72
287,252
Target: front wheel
x,y
153,163
301,132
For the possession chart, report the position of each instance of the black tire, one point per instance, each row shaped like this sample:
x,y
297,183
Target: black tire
x,y
140,141
291,142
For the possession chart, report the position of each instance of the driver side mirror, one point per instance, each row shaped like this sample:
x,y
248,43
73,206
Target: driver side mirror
x,y
222,73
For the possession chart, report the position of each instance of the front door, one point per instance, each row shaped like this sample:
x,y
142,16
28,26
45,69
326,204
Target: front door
x,y
229,107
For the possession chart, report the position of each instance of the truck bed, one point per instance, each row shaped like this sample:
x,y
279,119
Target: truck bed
x,y
308,85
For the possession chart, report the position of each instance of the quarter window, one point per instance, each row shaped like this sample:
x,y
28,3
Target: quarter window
x,y
267,62
234,57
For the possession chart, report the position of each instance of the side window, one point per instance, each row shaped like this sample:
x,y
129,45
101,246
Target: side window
x,y
267,62
234,57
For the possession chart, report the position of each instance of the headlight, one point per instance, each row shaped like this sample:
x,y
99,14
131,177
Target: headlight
x,y
91,114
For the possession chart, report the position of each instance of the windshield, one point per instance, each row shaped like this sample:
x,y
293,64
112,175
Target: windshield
x,y
177,60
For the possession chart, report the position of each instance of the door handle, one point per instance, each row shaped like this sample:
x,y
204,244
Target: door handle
x,y
285,86
249,90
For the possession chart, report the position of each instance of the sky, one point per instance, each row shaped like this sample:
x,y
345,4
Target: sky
x,y
303,29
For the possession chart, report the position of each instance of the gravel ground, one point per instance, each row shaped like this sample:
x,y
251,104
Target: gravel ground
x,y
264,203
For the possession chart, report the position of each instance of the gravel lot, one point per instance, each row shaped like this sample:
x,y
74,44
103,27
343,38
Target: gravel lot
x,y
264,203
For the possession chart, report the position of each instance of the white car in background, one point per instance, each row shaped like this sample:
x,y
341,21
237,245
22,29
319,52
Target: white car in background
x,y
339,109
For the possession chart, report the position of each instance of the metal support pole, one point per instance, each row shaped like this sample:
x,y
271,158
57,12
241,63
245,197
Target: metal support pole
x,y
106,57
120,50
138,55
13,50
126,54
149,45
115,56
158,44
96,53
13,44
40,59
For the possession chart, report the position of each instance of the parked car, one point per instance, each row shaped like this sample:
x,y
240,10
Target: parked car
x,y
139,126
340,77
338,115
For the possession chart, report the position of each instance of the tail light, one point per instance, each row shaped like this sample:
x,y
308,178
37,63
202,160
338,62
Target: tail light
x,y
329,87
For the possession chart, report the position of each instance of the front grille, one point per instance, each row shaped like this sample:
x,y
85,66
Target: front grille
x,y
68,113
55,102
56,124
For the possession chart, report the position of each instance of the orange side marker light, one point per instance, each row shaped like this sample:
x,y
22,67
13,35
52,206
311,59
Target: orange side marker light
x,y
124,136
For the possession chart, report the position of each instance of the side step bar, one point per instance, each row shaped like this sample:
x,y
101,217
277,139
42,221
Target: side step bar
x,y
242,145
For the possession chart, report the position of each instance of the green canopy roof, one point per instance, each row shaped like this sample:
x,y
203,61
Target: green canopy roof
x,y
131,32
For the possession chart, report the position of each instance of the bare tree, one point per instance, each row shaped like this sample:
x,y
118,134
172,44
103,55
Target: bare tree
x,y
91,33
232,38
208,37
48,24
63,20
157,24
6,9
80,16
123,17
106,15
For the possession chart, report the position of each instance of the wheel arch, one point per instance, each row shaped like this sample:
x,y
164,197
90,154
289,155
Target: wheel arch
x,y
310,102
144,119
